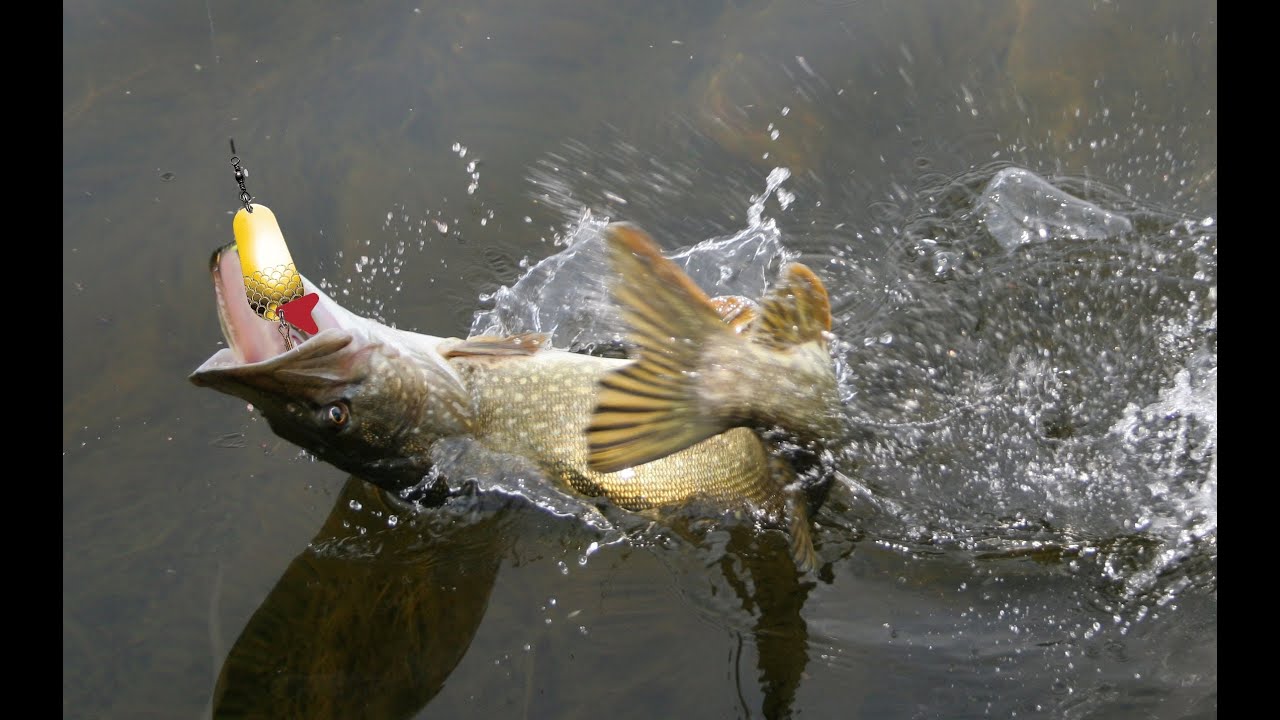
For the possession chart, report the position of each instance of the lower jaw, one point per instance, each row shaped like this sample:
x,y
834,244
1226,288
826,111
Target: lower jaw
x,y
250,337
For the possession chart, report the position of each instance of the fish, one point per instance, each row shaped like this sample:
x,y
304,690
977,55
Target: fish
x,y
685,420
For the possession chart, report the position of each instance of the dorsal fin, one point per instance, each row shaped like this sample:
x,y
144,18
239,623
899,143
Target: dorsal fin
x,y
735,311
522,344
796,311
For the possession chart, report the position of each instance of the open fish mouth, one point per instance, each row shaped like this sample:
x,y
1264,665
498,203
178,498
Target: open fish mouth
x,y
251,339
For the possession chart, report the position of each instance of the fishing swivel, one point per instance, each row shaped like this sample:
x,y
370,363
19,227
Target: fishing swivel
x,y
245,198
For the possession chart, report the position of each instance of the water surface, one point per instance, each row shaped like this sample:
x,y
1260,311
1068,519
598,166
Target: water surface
x,y
1026,516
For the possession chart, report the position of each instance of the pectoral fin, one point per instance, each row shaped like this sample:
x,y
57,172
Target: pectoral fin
x,y
524,344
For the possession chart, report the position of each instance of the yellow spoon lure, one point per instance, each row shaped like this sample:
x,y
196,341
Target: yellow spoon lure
x,y
270,278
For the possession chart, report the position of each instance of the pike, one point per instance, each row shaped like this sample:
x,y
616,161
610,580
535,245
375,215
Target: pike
x,y
684,420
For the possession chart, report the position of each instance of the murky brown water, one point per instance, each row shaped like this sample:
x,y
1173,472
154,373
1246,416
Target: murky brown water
x,y
186,522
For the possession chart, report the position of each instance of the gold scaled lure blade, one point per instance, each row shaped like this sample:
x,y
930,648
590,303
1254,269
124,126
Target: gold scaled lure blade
x,y
270,279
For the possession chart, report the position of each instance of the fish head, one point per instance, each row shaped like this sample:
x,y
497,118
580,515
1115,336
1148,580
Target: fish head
x,y
366,398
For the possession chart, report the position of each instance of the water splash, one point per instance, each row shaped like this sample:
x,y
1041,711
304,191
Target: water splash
x,y
755,213
567,294
972,391
1057,400
1020,207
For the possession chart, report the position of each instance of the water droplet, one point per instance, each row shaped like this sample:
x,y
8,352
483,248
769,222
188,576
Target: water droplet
x,y
355,505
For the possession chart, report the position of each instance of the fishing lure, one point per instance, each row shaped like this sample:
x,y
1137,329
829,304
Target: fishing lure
x,y
272,284
270,278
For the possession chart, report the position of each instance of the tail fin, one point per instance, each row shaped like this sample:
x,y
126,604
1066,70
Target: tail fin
x,y
648,409
694,375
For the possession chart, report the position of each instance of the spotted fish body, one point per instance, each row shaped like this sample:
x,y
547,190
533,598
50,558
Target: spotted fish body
x,y
679,423
539,407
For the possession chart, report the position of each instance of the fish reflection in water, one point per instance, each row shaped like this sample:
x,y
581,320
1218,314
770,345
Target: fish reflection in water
x,y
371,624
364,625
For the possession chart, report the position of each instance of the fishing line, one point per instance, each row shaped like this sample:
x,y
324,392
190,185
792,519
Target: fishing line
x,y
240,172
213,46
217,62
272,296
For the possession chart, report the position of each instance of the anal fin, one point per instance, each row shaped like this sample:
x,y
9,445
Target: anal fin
x,y
796,311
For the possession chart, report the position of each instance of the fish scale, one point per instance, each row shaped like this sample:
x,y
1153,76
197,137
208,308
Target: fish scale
x,y
539,407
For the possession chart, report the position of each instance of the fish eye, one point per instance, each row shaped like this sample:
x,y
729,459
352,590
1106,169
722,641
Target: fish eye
x,y
338,413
